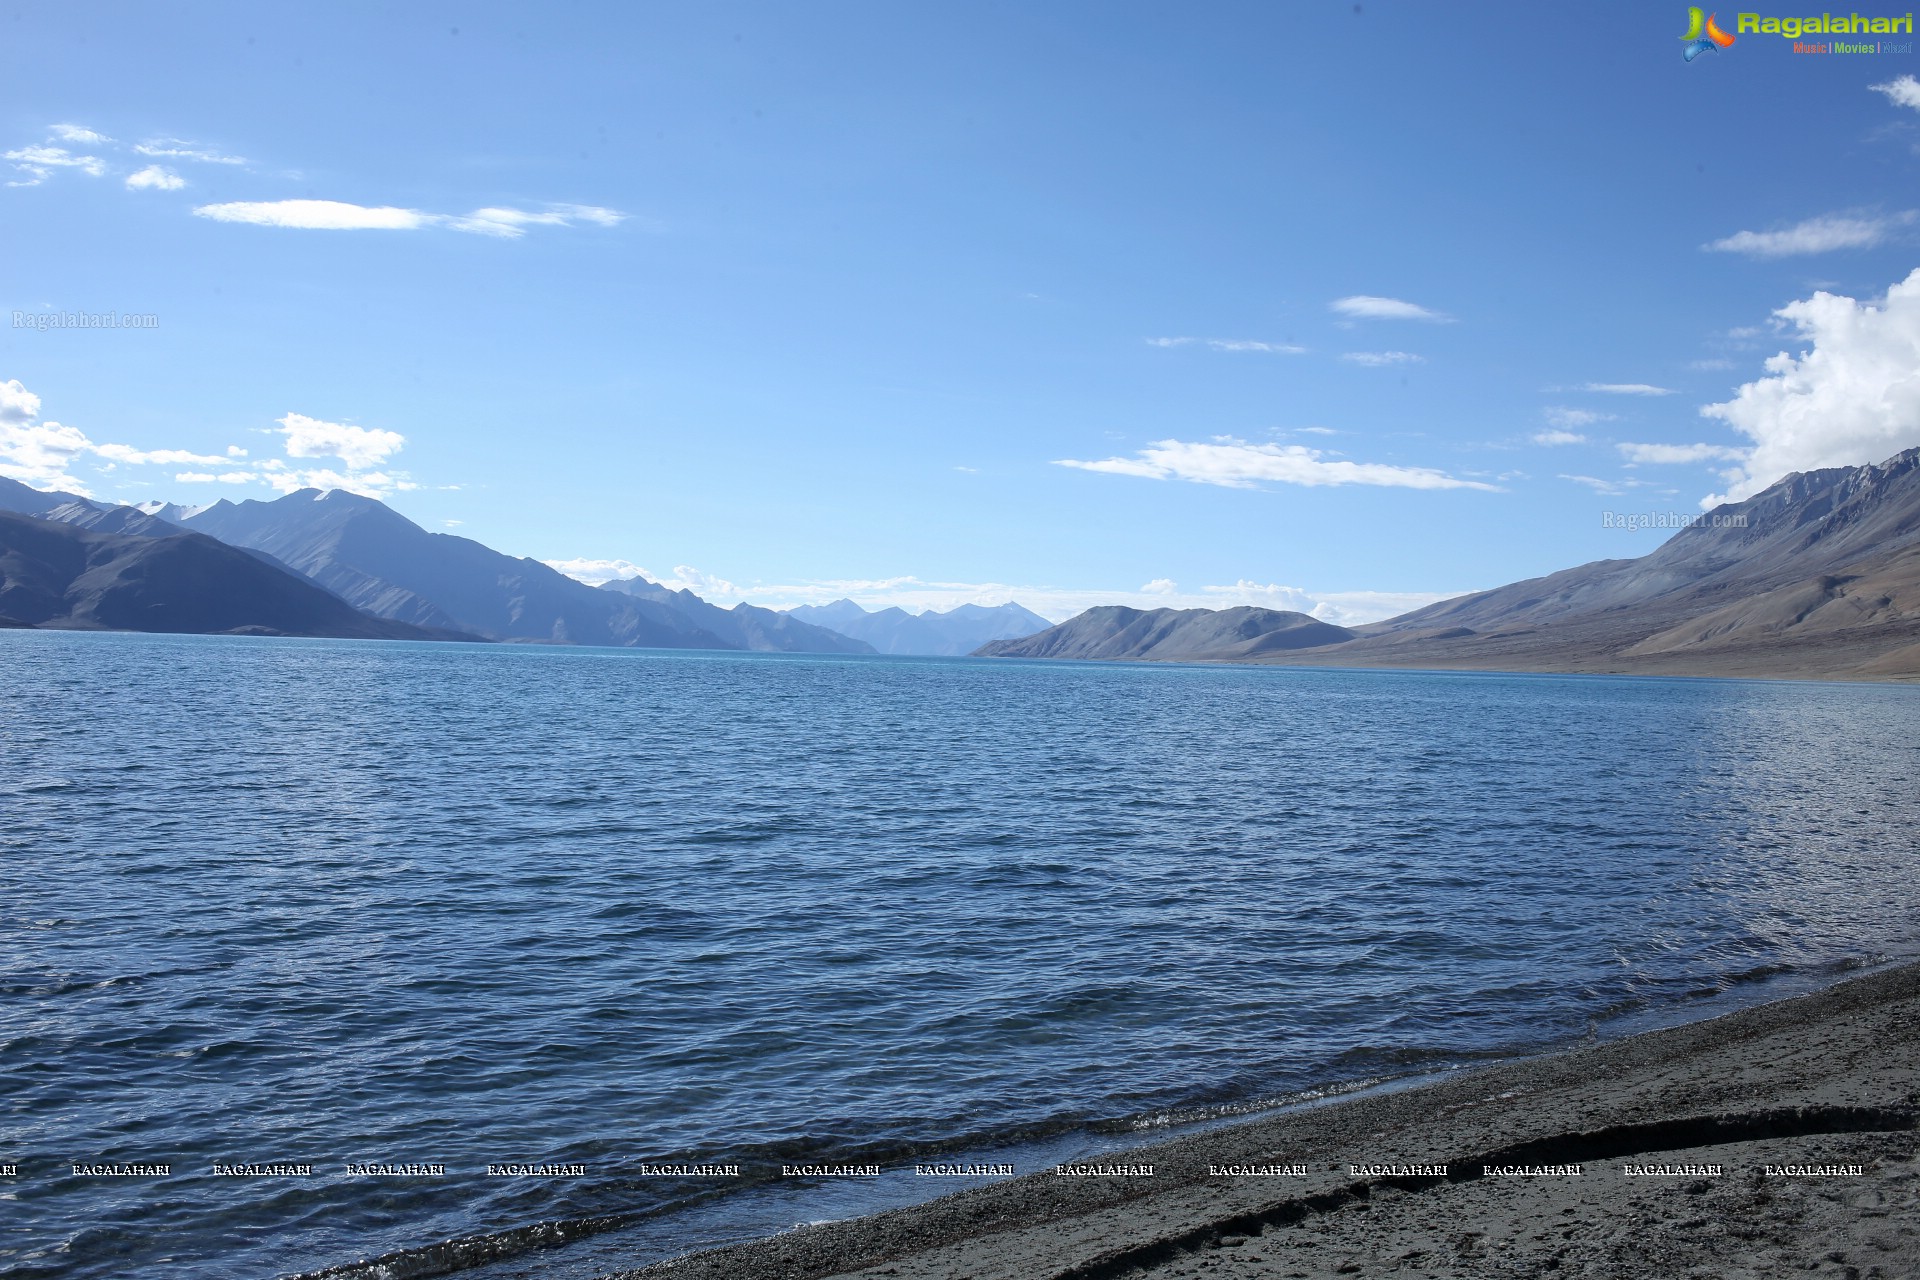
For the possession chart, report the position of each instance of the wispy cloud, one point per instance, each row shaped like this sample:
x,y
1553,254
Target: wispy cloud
x,y
1599,485
1382,359
1560,415
80,134
177,149
1249,344
1625,389
1231,344
1816,235
339,215
1557,437
39,162
1673,453
1237,464
1901,91
1363,306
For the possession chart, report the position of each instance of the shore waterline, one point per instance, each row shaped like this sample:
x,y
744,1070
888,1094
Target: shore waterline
x,y
337,902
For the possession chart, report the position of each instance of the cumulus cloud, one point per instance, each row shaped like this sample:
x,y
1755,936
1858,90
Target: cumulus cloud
x,y
34,452
340,215
1852,398
42,454
1366,307
82,135
598,572
1901,91
1381,359
1558,437
1159,587
1237,464
358,447
155,178
1671,453
1816,235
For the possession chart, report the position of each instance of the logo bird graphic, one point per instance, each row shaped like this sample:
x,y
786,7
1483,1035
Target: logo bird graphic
x,y
1703,33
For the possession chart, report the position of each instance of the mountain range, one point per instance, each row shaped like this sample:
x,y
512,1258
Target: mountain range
x,y
385,566
958,631
64,575
1818,575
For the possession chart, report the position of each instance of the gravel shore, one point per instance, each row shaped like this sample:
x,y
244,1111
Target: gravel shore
x,y
1773,1141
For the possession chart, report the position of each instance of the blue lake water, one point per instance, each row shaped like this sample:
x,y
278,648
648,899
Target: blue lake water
x,y
329,902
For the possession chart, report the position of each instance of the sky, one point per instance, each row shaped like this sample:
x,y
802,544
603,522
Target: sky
x,y
1334,307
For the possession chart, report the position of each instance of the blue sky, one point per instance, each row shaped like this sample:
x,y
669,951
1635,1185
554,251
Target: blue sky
x,y
1335,307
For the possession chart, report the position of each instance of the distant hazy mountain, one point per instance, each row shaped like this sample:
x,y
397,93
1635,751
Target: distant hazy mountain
x,y
744,626
378,560
1173,635
59,575
958,631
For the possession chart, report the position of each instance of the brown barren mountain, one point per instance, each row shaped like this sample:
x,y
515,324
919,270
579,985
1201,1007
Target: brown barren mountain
x,y
1817,576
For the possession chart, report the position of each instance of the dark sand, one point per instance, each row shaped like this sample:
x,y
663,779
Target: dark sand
x,y
1831,1078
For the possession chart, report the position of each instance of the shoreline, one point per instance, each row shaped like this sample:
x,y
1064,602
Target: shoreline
x,y
1394,1183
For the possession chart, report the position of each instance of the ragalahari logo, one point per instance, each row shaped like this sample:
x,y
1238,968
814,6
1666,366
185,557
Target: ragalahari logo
x,y
1703,33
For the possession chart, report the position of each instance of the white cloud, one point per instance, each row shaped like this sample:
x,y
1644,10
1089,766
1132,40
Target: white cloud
x,y
41,454
1669,453
339,215
155,457
1562,416
1852,398
1316,431
40,162
1558,437
79,133
175,149
1159,587
1816,235
155,178
596,572
358,447
1365,307
37,453
1599,485
316,215
1236,464
1381,359
1625,388
225,477
686,577
1168,342
1902,91
1248,344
